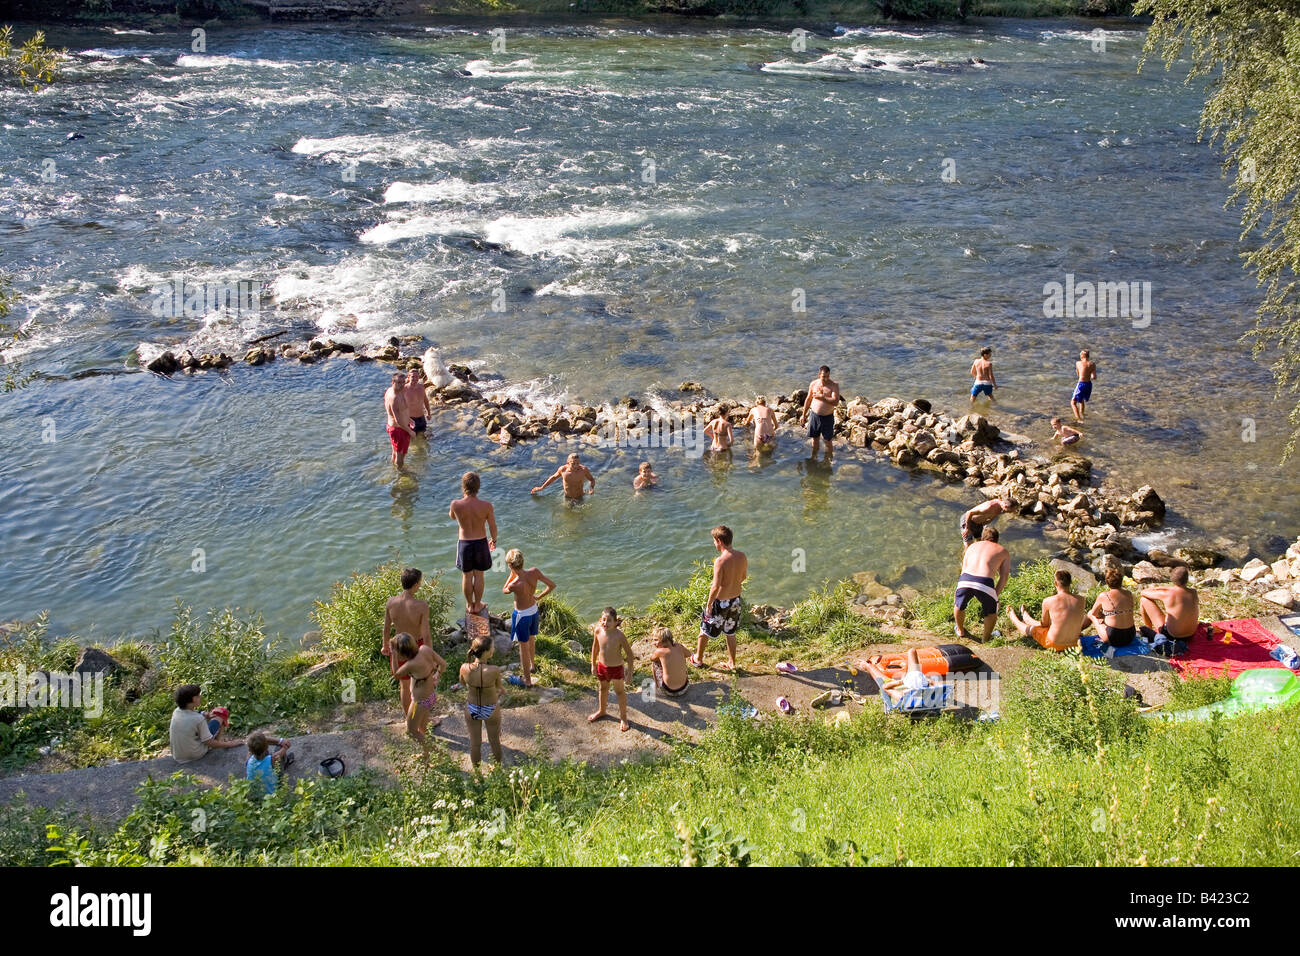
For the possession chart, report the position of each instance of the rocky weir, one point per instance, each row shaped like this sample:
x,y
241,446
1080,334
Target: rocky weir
x,y
1096,521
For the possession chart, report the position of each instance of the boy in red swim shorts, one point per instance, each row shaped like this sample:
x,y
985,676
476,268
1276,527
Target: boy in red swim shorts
x,y
608,651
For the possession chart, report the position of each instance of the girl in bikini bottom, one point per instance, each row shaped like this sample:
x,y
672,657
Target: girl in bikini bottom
x,y
481,711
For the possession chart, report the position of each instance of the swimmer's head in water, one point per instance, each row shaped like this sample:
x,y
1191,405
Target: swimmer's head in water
x,y
470,483
480,649
645,468
722,535
514,559
573,458
404,646
411,578
1007,504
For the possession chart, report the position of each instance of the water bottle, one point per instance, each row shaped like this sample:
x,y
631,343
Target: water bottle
x,y
1287,655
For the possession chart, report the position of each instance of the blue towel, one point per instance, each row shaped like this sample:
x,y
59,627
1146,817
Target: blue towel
x,y
1092,646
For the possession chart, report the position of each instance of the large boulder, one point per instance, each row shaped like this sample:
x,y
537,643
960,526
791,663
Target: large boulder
x,y
1253,570
164,364
1144,572
1282,597
1083,579
92,660
1070,467
977,429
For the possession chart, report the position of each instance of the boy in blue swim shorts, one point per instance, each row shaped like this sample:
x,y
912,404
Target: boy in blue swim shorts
x,y
982,371
525,618
1087,372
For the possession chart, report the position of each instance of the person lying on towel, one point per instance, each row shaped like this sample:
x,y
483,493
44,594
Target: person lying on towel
x,y
913,679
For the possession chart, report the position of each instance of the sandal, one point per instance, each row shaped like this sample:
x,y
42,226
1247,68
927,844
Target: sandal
x,y
784,705
785,667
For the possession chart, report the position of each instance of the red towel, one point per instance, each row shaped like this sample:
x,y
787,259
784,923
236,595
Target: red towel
x,y
1209,656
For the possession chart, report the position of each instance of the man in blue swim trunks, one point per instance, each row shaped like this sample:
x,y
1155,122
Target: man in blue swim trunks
x,y
985,567
1087,371
982,371
819,411
525,618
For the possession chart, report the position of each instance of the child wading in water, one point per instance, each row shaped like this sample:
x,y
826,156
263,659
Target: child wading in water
x,y
609,648
1064,433
645,477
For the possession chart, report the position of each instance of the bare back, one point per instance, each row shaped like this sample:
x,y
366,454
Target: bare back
x,y
1087,370
986,559
729,571
410,615
482,683
1064,615
1182,611
473,517
1115,608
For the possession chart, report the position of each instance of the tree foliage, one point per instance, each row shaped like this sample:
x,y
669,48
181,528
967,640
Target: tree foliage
x,y
1248,53
35,63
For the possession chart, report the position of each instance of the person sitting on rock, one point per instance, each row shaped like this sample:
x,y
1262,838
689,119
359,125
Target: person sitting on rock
x,y
1063,617
1064,433
1173,609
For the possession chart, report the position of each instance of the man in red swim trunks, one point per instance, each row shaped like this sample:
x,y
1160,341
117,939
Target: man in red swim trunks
x,y
399,418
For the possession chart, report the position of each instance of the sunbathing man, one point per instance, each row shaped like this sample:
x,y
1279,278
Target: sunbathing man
x,y
1112,613
478,539
819,411
1063,617
525,617
974,521
764,424
722,607
405,614
720,431
399,419
1181,611
983,561
574,476
982,371
1086,369
417,400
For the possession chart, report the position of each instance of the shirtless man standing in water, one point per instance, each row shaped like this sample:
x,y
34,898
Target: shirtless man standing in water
x,y
574,476
722,607
819,411
417,400
982,371
399,418
478,539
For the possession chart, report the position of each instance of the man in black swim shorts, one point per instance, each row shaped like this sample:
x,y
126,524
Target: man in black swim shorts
x,y
819,411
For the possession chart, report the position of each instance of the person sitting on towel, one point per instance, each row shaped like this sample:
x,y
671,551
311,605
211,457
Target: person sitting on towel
x,y
1112,614
1173,609
1063,617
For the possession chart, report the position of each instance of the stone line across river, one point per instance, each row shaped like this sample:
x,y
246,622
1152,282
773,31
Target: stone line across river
x,y
911,434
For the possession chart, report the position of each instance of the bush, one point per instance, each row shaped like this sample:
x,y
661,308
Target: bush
x,y
1071,703
226,655
680,607
352,621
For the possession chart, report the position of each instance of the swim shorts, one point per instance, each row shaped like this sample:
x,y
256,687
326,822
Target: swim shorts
x,y
970,531
393,665
821,425
523,624
722,617
1082,392
400,438
662,686
982,589
981,388
420,424
1070,439
1039,634
473,555
605,674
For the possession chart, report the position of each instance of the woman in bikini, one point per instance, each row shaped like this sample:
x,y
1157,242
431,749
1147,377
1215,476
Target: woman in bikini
x,y
424,666
1113,611
482,699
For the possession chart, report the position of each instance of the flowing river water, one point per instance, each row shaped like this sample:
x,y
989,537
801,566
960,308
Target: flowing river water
x,y
643,203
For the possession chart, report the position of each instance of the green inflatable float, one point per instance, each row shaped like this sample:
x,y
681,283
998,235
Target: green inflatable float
x,y
1260,688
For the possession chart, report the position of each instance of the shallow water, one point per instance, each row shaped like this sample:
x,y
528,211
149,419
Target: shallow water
x,y
525,172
